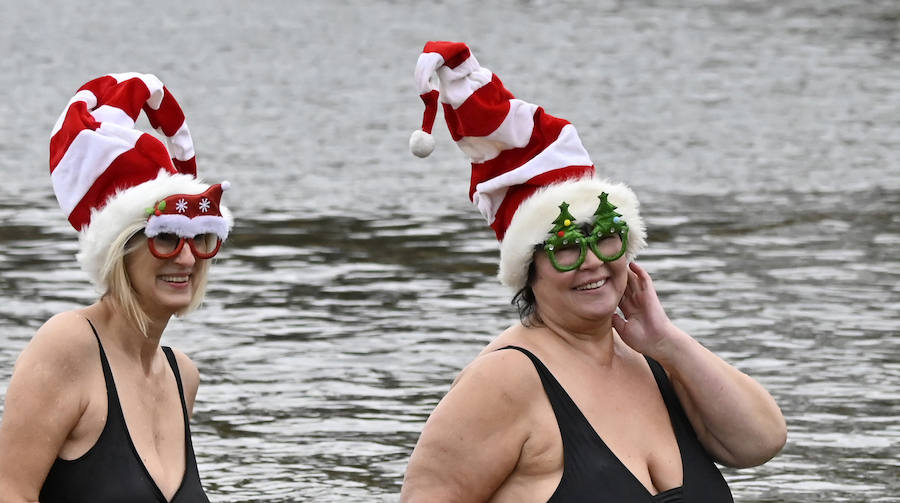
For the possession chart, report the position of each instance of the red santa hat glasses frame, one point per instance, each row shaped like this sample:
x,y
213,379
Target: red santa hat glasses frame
x,y
524,161
107,175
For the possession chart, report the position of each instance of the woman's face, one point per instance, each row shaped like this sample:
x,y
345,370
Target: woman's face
x,y
584,295
163,286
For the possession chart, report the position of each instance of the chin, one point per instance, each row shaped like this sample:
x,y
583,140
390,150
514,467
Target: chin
x,y
174,304
599,312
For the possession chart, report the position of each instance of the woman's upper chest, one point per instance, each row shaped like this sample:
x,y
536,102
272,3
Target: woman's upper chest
x,y
151,406
132,434
155,421
622,407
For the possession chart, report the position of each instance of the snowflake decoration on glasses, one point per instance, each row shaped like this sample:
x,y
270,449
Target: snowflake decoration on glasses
x,y
181,206
204,205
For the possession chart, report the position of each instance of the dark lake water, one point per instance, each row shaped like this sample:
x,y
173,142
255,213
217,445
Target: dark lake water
x,y
761,137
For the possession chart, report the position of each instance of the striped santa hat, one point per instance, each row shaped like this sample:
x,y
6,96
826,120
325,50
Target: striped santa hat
x,y
108,175
525,162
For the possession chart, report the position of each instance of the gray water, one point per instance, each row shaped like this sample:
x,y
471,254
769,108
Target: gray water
x,y
762,138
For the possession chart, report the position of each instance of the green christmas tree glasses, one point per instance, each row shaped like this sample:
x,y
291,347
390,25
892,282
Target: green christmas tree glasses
x,y
567,247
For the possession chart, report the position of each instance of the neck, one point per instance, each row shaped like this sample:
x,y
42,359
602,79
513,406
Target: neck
x,y
595,340
124,333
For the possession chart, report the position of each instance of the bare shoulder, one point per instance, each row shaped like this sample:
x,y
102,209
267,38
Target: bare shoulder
x,y
63,345
190,377
48,392
501,371
496,386
186,366
490,403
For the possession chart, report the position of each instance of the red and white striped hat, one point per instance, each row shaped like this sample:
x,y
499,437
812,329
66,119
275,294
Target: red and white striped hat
x,y
525,162
106,173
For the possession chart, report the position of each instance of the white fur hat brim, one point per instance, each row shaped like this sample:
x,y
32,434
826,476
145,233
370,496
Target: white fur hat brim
x,y
531,224
124,209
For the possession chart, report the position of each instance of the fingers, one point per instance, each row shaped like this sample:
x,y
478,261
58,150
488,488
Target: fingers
x,y
642,277
639,294
632,280
629,297
633,286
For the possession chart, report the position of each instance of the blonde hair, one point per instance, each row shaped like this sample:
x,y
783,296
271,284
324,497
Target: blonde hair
x,y
119,287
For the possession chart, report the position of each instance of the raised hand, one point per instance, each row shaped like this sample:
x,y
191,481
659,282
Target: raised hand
x,y
645,326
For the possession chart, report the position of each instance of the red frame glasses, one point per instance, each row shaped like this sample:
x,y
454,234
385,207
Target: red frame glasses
x,y
151,243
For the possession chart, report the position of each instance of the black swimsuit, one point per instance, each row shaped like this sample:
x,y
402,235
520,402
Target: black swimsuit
x,y
111,471
591,472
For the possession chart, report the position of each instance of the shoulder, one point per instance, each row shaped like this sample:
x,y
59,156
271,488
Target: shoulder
x,y
507,374
186,367
64,345
69,328
51,387
489,404
56,369
190,376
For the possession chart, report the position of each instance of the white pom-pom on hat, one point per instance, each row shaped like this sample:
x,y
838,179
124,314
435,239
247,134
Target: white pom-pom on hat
x,y
421,144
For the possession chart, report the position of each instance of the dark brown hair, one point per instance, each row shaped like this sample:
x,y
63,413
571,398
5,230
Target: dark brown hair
x,y
525,302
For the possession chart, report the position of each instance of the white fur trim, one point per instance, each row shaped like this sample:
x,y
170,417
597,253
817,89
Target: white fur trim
x,y
187,227
128,207
533,220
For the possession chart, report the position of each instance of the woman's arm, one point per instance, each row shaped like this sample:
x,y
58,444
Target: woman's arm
x,y
734,417
44,402
473,439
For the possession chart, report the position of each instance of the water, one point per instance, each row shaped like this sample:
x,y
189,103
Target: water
x,y
761,137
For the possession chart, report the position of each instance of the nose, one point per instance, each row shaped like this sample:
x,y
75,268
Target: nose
x,y
591,261
185,257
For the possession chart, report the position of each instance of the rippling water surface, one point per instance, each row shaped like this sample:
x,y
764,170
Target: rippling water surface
x,y
762,138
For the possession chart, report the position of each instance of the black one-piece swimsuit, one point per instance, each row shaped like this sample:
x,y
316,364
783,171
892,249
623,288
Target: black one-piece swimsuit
x,y
111,471
592,473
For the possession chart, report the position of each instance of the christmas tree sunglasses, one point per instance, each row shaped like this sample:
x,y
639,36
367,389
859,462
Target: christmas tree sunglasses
x,y
567,247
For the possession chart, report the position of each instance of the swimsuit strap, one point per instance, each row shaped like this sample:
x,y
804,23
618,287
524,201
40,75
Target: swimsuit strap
x,y
112,396
578,436
170,356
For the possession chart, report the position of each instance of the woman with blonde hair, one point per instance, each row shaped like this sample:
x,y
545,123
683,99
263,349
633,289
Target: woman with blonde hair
x,y
96,409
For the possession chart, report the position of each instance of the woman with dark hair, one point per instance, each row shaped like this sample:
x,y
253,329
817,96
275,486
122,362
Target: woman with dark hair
x,y
97,410
576,402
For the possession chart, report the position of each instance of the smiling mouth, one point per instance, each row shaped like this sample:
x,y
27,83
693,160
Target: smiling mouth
x,y
592,285
175,279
